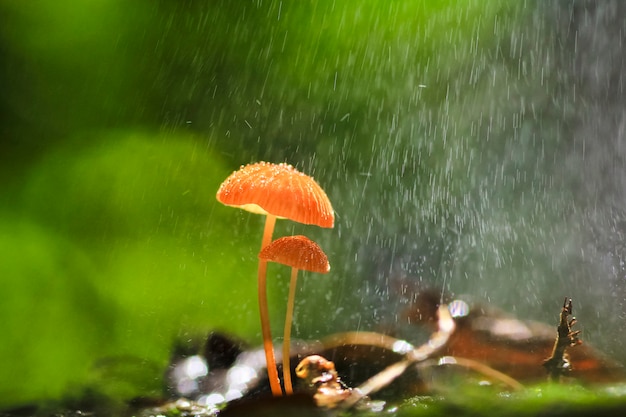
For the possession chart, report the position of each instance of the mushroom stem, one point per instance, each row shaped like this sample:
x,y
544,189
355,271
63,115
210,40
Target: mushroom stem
x,y
268,231
287,332
268,347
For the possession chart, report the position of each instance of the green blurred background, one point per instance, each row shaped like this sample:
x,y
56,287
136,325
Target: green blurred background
x,y
443,132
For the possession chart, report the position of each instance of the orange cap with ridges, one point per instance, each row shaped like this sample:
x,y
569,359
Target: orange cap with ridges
x,y
298,252
280,190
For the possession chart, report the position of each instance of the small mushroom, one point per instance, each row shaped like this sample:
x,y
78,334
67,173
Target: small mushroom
x,y
277,191
298,252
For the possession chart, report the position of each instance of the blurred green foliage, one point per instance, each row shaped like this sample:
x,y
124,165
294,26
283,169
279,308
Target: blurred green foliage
x,y
53,319
118,249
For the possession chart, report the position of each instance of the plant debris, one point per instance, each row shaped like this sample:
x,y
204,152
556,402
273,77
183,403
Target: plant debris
x,y
331,392
558,364
364,370
320,374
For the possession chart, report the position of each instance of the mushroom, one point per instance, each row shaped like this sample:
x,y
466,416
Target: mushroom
x,y
277,191
298,252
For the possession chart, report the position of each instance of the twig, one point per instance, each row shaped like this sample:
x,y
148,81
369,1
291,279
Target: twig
x,y
479,367
445,328
320,374
558,363
375,339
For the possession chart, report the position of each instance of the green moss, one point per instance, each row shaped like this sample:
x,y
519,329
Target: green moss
x,y
544,400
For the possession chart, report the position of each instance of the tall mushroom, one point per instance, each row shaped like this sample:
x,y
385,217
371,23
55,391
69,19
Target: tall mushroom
x,y
277,191
298,252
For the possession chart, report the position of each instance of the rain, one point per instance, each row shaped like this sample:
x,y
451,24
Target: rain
x,y
474,150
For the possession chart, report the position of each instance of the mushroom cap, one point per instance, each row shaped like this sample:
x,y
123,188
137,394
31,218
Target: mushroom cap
x,y
280,190
298,252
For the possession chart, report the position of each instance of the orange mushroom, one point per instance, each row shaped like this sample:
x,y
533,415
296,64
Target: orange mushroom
x,y
277,191
298,252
